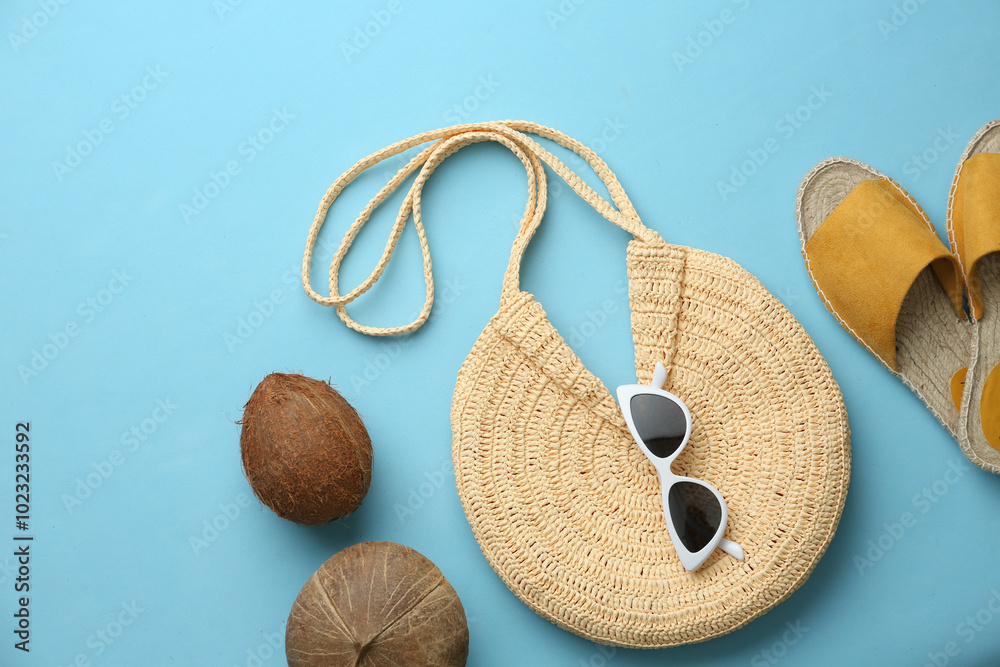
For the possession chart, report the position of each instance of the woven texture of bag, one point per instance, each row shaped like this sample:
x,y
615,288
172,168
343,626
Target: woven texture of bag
x,y
565,506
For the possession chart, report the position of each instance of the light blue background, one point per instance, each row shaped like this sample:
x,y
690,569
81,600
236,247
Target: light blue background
x,y
581,68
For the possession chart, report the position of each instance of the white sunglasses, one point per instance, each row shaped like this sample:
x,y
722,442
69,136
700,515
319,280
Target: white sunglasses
x,y
695,511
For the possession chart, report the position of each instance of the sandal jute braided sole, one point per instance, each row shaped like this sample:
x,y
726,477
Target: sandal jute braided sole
x,y
932,344
980,424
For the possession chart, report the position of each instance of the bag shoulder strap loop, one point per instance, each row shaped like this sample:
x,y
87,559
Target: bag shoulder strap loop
x,y
512,134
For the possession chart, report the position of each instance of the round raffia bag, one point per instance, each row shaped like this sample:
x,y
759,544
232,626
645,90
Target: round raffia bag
x,y
564,505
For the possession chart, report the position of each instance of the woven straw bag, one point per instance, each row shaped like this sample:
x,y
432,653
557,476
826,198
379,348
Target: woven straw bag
x,y
566,508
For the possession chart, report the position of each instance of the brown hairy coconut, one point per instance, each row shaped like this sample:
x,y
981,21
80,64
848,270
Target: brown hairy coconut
x,y
375,604
305,451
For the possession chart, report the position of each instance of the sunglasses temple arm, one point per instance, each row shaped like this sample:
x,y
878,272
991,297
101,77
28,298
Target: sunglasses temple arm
x,y
731,548
659,376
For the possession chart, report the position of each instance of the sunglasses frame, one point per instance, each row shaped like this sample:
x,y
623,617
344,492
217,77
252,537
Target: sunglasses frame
x,y
691,560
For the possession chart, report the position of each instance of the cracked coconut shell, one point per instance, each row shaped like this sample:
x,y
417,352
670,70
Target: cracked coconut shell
x,y
377,604
305,451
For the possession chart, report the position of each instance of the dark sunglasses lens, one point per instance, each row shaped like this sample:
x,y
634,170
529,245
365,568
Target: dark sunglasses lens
x,y
660,423
696,514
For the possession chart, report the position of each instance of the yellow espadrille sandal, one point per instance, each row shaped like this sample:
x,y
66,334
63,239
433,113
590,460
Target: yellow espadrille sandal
x,y
881,269
974,231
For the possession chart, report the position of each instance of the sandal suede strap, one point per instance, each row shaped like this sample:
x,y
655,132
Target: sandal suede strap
x,y
975,219
866,255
